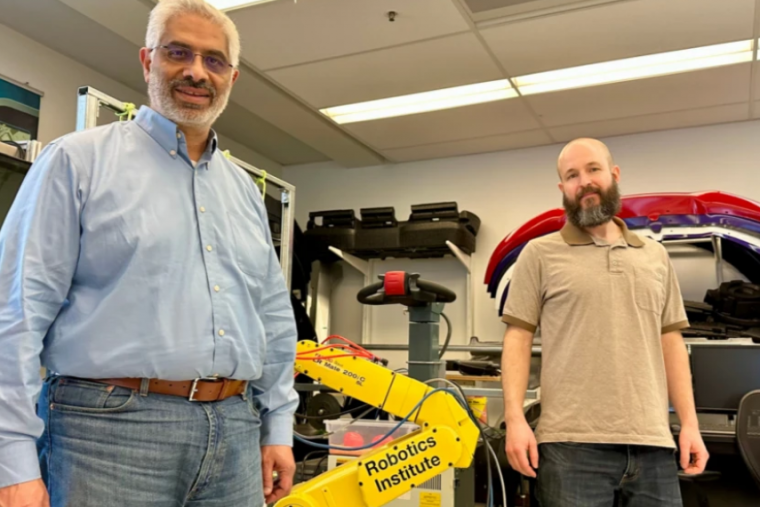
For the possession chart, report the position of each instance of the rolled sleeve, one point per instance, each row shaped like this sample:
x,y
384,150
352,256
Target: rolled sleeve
x,y
523,306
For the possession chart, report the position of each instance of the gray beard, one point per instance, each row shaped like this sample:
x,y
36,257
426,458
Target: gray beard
x,y
184,113
591,217
594,216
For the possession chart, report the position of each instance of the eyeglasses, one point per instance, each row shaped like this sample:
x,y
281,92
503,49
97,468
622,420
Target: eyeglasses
x,y
185,56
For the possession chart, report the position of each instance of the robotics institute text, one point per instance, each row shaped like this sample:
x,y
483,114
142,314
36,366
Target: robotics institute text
x,y
406,472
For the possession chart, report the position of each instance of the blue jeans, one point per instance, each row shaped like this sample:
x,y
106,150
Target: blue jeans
x,y
601,475
110,446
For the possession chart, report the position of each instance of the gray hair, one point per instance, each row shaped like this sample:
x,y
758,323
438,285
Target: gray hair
x,y
167,9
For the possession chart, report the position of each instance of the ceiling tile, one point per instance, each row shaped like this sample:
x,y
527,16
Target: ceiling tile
x,y
617,30
283,33
503,10
127,18
246,128
270,103
423,66
653,122
705,88
468,122
469,146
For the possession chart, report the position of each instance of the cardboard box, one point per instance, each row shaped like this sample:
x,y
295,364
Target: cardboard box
x,y
8,149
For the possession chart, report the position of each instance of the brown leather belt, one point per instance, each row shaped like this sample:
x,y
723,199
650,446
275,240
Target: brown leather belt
x,y
200,389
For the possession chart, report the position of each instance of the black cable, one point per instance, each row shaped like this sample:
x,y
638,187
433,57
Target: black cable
x,y
340,414
319,464
485,445
482,437
448,336
303,463
467,407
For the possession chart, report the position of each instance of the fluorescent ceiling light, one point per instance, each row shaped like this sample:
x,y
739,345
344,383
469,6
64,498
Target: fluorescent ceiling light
x,y
636,68
422,102
228,5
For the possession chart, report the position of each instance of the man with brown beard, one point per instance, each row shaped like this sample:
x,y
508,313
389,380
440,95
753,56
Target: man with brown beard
x,y
138,267
609,307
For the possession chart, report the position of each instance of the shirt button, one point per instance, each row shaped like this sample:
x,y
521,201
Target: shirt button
x,y
221,332
208,247
172,153
217,288
179,136
203,210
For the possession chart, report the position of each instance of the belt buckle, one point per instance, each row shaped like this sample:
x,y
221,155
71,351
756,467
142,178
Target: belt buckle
x,y
194,386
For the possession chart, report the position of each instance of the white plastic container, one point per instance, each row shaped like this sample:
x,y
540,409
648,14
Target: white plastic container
x,y
363,432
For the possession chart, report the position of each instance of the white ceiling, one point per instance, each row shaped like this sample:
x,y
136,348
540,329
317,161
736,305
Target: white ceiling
x,y
412,68
285,32
617,30
301,56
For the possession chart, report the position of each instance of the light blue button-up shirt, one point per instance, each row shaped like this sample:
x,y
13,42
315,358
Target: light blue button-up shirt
x,y
119,258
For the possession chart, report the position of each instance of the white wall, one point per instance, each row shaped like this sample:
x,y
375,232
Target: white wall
x,y
505,189
58,77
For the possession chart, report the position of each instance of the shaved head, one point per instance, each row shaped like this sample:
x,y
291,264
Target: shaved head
x,y
583,145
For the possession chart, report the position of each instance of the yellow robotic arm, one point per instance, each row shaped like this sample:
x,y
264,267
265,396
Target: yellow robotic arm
x,y
447,436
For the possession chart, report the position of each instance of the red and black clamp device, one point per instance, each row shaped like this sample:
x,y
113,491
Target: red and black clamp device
x,y
402,288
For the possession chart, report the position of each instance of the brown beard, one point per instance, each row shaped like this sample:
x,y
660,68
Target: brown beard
x,y
598,214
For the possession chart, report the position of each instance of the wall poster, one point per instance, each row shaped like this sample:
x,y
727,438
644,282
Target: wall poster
x,y
19,112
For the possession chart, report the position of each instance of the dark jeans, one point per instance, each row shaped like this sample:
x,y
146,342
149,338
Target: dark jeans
x,y
110,447
602,475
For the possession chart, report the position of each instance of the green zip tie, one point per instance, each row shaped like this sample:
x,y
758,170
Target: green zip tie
x,y
262,182
129,112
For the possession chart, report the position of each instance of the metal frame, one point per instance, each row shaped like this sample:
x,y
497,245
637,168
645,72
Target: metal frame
x,y
366,268
466,261
89,102
288,200
322,288
491,392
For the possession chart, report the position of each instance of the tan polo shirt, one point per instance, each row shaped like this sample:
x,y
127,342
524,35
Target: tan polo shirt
x,y
602,309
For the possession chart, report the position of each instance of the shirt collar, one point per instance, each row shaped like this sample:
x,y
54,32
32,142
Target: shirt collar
x,y
575,236
166,133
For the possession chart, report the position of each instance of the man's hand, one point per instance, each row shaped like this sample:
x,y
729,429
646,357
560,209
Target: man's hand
x,y
521,443
26,494
694,454
275,458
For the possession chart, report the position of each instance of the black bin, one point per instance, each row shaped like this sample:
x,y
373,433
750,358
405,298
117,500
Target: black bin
x,y
378,234
335,228
431,225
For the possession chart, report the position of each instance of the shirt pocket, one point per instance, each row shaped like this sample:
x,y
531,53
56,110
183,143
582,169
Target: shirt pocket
x,y
252,251
649,289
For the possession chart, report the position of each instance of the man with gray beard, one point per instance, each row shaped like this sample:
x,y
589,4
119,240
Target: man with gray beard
x,y
613,359
137,266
